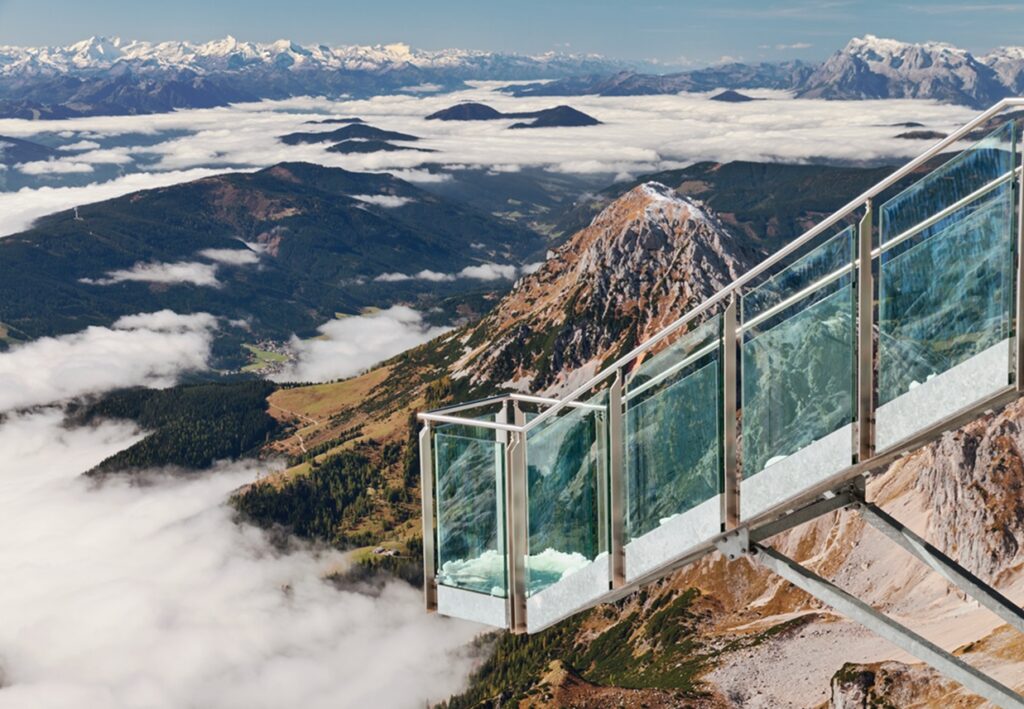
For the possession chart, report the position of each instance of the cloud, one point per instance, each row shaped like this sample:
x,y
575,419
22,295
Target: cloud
x,y
489,272
53,167
150,349
383,200
231,257
80,145
784,47
481,272
193,272
353,344
123,595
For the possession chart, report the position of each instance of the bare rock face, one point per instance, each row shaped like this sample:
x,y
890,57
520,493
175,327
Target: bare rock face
x,y
893,684
642,262
973,482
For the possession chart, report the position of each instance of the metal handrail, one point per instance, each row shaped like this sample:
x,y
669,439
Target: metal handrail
x,y
732,289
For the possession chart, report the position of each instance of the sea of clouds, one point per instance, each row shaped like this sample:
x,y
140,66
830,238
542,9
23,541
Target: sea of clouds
x,y
118,594
639,134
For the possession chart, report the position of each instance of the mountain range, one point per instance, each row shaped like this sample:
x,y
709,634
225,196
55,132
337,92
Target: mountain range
x,y
867,67
108,76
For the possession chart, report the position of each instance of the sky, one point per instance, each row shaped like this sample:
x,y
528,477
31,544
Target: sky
x,y
683,32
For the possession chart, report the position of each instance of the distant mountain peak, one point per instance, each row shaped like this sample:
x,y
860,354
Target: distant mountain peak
x,y
644,259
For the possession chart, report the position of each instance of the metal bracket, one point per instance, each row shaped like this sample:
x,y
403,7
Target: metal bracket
x,y
735,544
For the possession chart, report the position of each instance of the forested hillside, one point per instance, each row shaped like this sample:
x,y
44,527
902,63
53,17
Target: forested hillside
x,y
192,426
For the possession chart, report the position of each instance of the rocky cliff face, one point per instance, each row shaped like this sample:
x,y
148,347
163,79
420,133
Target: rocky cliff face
x,y
643,261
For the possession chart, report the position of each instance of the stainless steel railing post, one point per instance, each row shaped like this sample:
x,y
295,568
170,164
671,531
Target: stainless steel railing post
x,y
517,522
1018,351
617,482
427,498
730,462
865,444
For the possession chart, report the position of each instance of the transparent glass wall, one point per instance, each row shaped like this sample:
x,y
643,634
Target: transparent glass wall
x,y
945,291
564,464
673,462
567,560
797,359
469,464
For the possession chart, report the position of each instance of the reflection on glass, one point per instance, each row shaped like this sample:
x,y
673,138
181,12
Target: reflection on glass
x,y
945,293
565,462
469,465
985,161
672,426
798,357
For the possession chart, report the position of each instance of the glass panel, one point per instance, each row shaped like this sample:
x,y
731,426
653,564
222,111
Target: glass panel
x,y
469,465
985,161
673,426
797,359
945,295
565,464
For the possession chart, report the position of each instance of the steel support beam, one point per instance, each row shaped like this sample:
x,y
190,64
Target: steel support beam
x,y
895,633
730,466
804,514
427,498
944,566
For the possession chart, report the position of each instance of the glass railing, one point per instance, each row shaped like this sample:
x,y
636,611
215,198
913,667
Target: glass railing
x,y
797,366
834,355
566,563
673,449
946,290
471,538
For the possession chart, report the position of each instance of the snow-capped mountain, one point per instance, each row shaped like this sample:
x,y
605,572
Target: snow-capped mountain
x,y
109,76
872,67
229,54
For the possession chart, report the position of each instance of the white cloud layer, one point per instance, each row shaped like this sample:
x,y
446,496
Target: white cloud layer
x,y
388,201
54,167
480,272
122,596
638,134
231,257
193,272
353,344
150,349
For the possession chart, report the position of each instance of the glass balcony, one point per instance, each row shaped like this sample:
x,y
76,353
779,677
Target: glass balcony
x,y
797,359
567,564
673,449
946,290
537,519
472,566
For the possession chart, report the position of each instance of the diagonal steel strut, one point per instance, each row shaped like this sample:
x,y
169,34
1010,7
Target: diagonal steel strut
x,y
887,628
944,566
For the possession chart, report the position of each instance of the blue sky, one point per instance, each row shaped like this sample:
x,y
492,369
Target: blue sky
x,y
683,31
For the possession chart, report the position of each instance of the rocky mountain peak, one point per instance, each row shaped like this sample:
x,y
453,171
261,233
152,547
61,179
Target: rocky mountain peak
x,y
642,262
872,67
